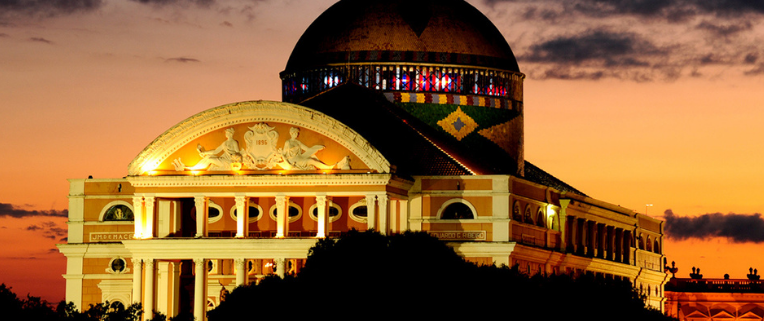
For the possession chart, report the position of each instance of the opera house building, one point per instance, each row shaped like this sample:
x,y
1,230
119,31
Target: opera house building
x,y
396,115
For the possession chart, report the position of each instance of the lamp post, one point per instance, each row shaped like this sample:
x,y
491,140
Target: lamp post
x,y
646,206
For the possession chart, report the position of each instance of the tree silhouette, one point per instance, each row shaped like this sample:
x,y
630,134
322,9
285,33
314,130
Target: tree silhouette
x,y
366,275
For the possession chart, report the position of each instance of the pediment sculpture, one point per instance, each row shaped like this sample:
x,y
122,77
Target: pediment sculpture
x,y
262,153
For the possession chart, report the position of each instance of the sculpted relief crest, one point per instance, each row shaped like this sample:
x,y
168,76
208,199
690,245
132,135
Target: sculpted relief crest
x,y
261,153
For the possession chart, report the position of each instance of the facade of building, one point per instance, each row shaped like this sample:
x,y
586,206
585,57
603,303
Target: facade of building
x,y
699,299
397,115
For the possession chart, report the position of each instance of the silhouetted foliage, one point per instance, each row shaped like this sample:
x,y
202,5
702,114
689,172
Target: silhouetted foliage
x,y
34,308
366,275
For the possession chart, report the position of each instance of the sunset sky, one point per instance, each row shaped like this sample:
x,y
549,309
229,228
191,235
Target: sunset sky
x,y
632,102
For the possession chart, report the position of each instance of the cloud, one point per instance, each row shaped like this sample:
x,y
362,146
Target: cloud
x,y
47,8
9,210
39,39
182,59
594,46
738,228
636,40
725,30
596,54
48,229
756,71
200,3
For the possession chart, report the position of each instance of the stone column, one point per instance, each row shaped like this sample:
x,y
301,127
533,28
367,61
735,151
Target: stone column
x,y
137,279
610,242
404,214
394,219
581,232
563,224
200,289
241,271
242,217
371,207
591,238
201,216
626,247
148,231
148,291
570,227
280,267
163,284
282,216
138,216
175,297
384,215
618,245
322,219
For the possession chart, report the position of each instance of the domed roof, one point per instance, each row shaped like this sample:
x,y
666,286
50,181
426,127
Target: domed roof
x,y
418,31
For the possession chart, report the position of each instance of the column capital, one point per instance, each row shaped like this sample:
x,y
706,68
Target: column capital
x,y
321,200
136,260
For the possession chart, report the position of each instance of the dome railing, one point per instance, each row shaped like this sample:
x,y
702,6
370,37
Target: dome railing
x,y
298,86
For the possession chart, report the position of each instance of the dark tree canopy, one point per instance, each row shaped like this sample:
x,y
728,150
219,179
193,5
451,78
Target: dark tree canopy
x,y
366,275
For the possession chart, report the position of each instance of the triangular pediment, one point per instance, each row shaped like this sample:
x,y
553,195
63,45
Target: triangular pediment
x,y
258,137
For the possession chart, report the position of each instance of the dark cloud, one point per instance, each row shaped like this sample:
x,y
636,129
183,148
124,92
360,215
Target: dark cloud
x,y
182,59
670,10
751,58
39,39
3,35
200,3
568,74
47,8
594,46
594,55
738,228
759,70
226,24
48,229
536,13
33,228
725,30
8,210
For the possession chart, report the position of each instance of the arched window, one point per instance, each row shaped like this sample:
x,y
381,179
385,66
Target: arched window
x,y
516,212
527,218
649,244
641,242
540,218
457,209
657,247
117,211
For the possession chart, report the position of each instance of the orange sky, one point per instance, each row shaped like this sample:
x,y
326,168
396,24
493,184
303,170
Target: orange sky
x,y
671,121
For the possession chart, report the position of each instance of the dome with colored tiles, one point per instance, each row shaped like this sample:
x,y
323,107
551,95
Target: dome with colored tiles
x,y
442,61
